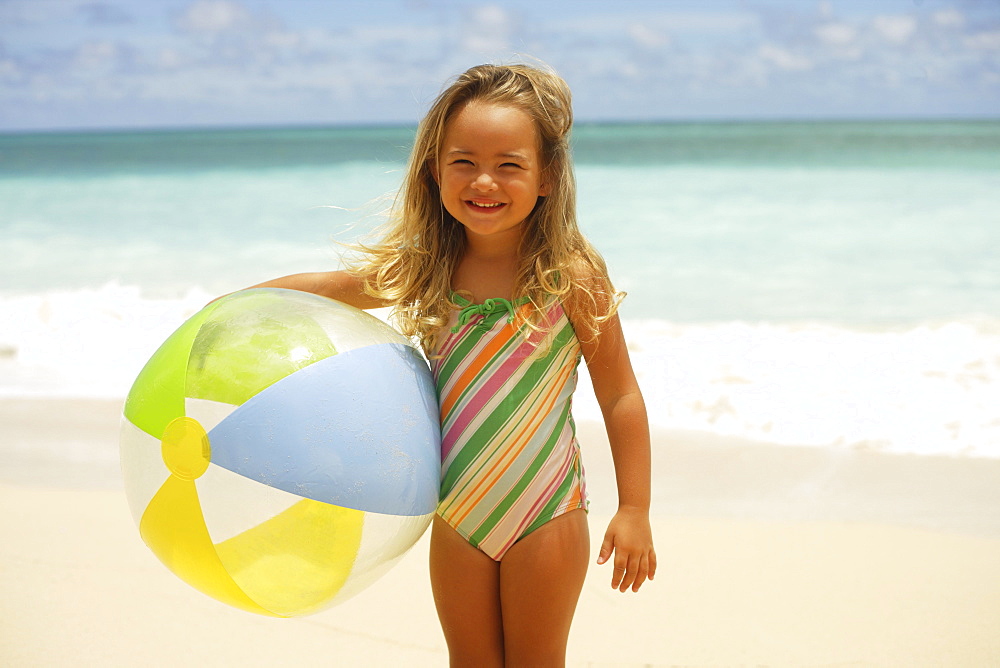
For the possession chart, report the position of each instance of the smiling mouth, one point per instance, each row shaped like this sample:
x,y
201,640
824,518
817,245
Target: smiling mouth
x,y
484,205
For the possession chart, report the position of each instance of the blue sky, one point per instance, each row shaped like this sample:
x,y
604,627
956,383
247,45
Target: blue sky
x,y
168,63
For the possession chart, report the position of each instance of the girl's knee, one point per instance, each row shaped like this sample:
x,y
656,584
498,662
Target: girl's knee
x,y
536,656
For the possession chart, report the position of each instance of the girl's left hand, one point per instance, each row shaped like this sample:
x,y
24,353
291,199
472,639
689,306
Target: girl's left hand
x,y
630,538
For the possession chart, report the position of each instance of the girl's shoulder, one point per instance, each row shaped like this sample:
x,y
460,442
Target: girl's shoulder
x,y
591,299
585,275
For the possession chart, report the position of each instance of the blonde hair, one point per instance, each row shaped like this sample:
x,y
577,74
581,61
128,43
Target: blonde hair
x,y
412,266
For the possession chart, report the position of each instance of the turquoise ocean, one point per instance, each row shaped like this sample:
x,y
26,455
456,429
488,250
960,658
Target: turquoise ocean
x,y
830,284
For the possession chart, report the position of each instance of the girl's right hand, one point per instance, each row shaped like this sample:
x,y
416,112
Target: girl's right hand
x,y
630,539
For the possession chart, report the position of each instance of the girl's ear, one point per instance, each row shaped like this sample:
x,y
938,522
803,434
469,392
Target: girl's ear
x,y
545,179
432,166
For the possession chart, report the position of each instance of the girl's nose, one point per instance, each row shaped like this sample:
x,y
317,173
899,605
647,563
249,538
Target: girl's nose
x,y
484,182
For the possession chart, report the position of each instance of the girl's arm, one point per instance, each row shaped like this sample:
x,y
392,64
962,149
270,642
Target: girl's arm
x,y
629,536
340,285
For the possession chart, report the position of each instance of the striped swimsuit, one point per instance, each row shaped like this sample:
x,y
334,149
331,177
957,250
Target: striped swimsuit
x,y
510,459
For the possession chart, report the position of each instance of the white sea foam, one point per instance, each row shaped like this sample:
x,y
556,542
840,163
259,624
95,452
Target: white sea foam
x,y
927,389
87,343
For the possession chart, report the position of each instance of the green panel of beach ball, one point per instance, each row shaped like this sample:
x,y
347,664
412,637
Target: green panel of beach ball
x,y
157,395
251,343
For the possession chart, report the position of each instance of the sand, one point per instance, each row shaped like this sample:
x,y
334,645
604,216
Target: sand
x,y
769,556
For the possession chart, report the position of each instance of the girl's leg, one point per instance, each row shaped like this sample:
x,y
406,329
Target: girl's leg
x,y
466,585
541,577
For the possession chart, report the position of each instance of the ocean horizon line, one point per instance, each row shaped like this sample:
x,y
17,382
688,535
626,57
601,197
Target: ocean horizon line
x,y
579,123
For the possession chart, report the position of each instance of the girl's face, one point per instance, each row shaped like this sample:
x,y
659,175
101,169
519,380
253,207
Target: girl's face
x,y
489,170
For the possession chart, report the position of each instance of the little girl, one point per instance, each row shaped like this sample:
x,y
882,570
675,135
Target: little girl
x,y
484,262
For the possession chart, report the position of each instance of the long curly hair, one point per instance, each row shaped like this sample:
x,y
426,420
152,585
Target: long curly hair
x,y
421,244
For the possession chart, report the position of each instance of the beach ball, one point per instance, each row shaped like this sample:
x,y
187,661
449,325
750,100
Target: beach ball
x,y
281,451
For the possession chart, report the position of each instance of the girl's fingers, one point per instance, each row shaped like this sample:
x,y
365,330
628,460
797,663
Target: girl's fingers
x,y
607,547
641,573
617,576
631,569
621,569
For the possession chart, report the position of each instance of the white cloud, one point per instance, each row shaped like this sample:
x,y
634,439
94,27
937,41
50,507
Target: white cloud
x,y
490,15
93,55
168,59
949,18
283,39
987,41
676,24
9,70
214,16
784,59
895,29
706,23
836,34
487,29
648,37
367,39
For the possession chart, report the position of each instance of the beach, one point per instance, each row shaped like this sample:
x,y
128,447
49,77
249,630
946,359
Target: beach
x,y
768,556
812,317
